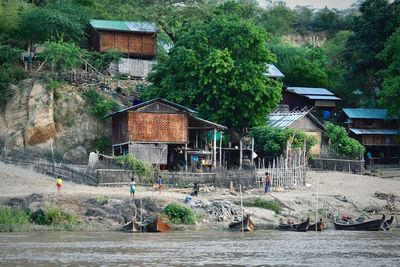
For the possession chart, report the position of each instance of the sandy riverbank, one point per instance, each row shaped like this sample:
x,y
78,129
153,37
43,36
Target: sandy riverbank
x,y
337,193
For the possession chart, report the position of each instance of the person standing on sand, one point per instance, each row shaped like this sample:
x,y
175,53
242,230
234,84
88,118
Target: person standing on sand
x,y
59,183
160,182
132,187
267,188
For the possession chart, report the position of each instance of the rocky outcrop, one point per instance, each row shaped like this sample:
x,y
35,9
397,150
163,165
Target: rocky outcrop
x,y
40,127
38,118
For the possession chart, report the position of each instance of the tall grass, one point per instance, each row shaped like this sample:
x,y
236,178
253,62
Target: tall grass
x,y
264,204
13,219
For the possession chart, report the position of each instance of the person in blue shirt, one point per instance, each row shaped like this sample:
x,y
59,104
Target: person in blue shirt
x,y
159,183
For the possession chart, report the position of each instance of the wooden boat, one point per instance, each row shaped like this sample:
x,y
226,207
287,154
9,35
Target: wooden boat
x,y
388,223
155,226
297,227
373,225
248,225
316,226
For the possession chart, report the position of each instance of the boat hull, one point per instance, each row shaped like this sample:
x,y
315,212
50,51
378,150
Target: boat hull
x,y
248,225
373,225
299,227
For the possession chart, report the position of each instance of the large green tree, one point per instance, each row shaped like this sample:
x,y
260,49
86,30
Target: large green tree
x,y
52,22
390,93
217,68
302,66
378,20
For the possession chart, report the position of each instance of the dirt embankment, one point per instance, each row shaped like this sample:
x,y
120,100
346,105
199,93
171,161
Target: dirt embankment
x,y
332,193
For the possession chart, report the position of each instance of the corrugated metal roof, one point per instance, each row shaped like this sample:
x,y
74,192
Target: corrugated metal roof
x,y
367,113
283,120
309,91
273,72
322,97
123,26
374,131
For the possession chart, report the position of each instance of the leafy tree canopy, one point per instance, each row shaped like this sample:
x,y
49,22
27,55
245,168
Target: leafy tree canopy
x,y
378,20
53,22
63,56
390,93
218,69
302,66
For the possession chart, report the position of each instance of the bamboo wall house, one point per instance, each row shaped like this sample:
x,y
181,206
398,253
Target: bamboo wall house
x,y
376,130
300,119
162,132
137,41
134,39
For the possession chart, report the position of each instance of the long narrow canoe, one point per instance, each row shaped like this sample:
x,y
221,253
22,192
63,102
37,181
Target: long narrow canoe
x,y
297,227
373,225
248,225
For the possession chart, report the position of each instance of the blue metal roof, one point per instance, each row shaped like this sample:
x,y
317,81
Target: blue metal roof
x,y
374,131
309,91
367,113
273,72
322,97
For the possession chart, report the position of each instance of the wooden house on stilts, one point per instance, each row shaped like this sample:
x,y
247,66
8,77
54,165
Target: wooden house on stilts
x,y
166,134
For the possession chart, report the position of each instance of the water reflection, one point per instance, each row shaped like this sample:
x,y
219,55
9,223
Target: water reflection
x,y
267,248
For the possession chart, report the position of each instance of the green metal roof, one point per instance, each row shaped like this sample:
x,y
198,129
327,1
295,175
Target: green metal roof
x,y
123,26
367,113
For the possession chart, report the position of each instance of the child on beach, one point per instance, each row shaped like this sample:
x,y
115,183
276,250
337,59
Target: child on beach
x,y
132,187
267,188
59,183
160,182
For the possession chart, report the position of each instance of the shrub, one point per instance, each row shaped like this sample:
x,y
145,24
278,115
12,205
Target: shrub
x,y
341,143
141,168
177,213
264,204
102,200
99,106
272,141
52,215
13,219
102,60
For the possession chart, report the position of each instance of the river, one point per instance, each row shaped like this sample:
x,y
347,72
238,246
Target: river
x,y
201,248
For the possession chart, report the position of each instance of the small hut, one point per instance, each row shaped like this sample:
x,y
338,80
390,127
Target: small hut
x,y
134,39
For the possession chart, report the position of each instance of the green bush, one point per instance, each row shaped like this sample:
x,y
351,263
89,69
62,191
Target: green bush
x,y
9,74
177,213
341,143
99,105
102,60
102,200
272,141
13,219
52,215
141,168
264,204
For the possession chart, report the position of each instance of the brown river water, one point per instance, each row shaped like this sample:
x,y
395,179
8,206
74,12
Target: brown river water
x,y
201,248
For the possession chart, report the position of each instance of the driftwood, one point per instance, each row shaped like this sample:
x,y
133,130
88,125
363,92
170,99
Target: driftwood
x,y
223,210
